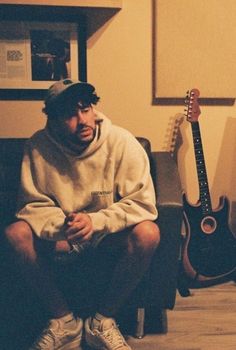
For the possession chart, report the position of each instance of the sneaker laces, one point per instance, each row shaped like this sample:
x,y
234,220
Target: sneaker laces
x,y
114,338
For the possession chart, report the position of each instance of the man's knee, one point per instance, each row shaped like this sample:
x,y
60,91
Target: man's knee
x,y
146,235
19,235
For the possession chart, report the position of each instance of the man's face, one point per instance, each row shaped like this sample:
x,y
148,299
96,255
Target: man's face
x,y
76,126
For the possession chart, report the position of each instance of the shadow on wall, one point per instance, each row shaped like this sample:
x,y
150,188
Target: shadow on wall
x,y
224,183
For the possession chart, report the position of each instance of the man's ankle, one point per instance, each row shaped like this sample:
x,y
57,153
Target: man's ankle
x,y
96,320
68,320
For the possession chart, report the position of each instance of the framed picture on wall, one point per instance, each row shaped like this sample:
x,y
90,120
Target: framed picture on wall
x,y
193,48
34,54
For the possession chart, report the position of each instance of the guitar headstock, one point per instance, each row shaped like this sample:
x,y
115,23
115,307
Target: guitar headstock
x,y
193,109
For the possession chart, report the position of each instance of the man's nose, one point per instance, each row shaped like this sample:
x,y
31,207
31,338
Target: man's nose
x,y
81,117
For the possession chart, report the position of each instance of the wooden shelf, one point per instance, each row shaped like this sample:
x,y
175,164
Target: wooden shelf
x,y
96,12
77,3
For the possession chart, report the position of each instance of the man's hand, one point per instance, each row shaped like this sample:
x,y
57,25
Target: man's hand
x,y
79,227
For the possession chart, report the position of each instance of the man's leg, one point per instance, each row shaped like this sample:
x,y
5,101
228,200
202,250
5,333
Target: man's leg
x,y
138,245
39,277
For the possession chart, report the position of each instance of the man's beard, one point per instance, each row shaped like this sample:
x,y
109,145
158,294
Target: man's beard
x,y
75,143
77,138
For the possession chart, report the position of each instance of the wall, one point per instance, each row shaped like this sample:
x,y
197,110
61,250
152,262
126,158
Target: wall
x,y
126,97
120,65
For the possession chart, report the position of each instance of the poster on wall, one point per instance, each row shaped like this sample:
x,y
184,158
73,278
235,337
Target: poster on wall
x,y
193,47
34,54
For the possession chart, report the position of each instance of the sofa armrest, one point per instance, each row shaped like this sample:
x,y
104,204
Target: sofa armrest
x,y
164,267
166,180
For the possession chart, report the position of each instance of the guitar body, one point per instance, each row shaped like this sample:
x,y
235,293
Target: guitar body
x,y
209,251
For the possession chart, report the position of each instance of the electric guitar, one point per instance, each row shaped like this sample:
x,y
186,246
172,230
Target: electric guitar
x,y
209,250
173,138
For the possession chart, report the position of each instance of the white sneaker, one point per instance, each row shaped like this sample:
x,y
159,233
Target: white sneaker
x,y
59,337
106,337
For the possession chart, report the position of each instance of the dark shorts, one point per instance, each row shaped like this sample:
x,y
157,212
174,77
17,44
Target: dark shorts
x,y
112,243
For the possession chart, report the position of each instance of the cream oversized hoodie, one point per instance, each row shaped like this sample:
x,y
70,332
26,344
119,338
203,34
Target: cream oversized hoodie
x,y
110,181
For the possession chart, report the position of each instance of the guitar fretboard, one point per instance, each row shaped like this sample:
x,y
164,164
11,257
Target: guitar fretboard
x,y
201,170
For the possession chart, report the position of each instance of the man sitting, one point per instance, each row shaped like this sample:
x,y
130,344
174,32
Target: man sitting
x,y
85,183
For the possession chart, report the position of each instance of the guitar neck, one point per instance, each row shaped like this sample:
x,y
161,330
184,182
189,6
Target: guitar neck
x,y
201,170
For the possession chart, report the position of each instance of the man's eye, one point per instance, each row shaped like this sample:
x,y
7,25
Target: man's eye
x,y
84,110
